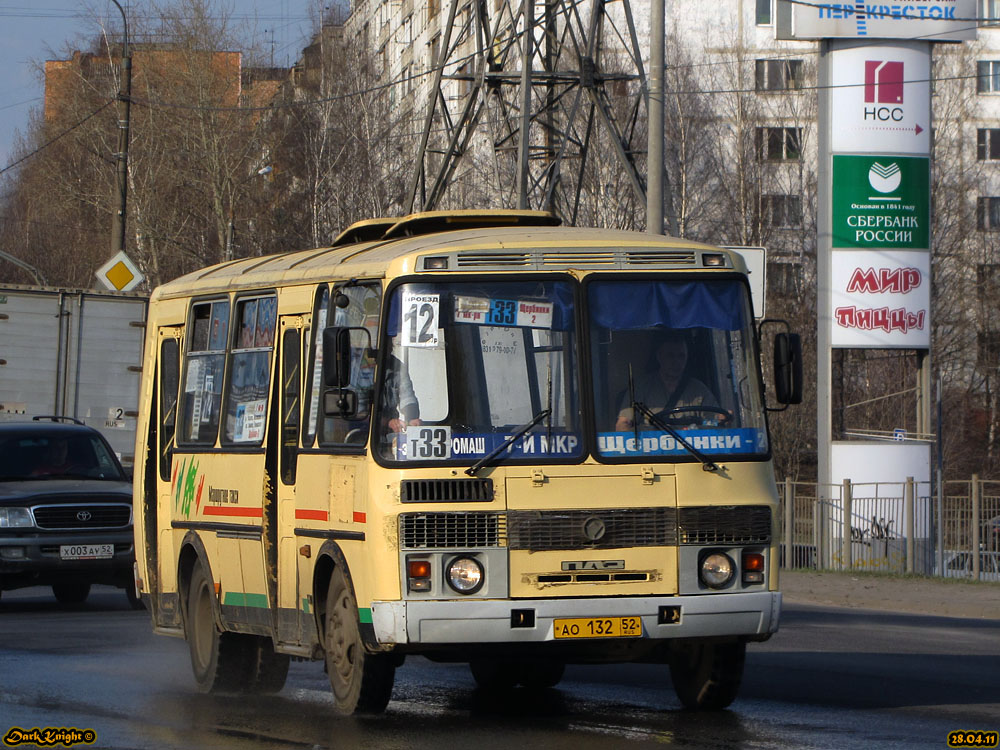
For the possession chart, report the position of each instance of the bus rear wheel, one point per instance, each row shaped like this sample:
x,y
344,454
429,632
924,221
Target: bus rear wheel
x,y
360,681
220,661
707,676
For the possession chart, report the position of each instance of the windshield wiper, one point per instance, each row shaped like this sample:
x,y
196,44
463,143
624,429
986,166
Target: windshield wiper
x,y
706,463
488,458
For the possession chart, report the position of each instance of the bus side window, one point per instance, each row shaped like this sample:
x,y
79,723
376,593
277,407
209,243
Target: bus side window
x,y
361,311
249,372
291,354
200,399
169,380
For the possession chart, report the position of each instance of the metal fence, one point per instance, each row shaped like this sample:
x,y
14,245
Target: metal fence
x,y
897,527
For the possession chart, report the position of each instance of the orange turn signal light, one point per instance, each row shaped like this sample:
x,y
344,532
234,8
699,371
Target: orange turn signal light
x,y
419,569
753,561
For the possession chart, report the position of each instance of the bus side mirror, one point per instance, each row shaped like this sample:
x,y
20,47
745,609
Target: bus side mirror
x,y
340,403
336,357
788,368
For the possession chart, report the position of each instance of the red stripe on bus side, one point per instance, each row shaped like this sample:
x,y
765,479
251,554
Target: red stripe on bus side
x,y
227,510
312,515
360,517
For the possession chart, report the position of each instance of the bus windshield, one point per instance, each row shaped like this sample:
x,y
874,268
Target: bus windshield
x,y
674,359
468,363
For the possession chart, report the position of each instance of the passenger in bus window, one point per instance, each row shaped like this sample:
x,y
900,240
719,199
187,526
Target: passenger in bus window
x,y
667,385
400,405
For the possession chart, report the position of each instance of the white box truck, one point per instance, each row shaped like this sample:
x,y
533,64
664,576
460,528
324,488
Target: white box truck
x,y
73,353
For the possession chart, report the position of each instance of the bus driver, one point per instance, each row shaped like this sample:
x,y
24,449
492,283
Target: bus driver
x,y
668,385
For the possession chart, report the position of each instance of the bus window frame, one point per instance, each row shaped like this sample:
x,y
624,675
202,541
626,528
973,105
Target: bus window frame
x,y
200,446
230,444
312,442
167,434
591,413
313,378
289,450
586,449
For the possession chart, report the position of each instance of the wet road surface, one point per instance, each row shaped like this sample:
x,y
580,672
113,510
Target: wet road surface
x,y
831,678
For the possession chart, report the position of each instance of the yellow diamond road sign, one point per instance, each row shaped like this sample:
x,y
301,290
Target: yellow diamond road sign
x,y
120,274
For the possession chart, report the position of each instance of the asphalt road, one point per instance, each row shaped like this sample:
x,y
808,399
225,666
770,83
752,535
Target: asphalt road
x,y
831,678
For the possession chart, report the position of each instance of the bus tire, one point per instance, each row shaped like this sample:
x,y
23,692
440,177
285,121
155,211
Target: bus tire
x,y
537,674
707,676
360,681
494,674
220,661
269,670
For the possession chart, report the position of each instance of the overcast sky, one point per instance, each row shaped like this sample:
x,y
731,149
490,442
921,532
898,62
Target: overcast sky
x,y
38,30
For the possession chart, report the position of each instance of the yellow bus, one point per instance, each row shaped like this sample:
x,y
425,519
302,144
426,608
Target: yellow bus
x,y
479,437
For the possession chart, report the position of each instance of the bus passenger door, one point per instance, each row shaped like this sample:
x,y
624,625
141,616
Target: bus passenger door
x,y
162,563
283,442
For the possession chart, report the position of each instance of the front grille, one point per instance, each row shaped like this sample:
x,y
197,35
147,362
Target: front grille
x,y
591,529
577,257
475,260
446,490
538,531
660,258
447,530
592,577
82,516
729,524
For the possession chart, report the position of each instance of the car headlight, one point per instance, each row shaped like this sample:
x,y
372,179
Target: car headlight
x,y
15,518
466,575
717,570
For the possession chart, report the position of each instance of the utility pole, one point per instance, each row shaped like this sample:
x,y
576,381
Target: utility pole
x,y
654,154
121,156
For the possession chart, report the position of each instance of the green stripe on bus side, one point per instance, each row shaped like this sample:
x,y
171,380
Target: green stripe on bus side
x,y
365,615
236,599
305,604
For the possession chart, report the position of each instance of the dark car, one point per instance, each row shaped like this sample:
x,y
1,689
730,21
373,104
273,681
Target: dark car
x,y
65,510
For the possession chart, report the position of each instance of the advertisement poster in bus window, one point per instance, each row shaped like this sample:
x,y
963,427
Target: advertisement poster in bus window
x,y
250,417
421,319
266,313
503,312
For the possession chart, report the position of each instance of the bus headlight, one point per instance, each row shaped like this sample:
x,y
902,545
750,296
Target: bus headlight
x,y
465,575
717,570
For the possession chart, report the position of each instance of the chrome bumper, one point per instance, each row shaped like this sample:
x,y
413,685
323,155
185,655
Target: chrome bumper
x,y
489,621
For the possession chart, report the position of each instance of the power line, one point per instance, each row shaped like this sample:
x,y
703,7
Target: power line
x,y
56,138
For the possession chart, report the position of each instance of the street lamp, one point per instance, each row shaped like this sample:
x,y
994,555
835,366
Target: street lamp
x,y
231,226
121,156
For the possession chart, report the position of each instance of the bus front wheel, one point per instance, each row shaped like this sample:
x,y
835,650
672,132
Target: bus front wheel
x,y
219,660
707,676
360,681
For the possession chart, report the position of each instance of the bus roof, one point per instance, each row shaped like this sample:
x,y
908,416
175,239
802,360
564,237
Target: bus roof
x,y
471,241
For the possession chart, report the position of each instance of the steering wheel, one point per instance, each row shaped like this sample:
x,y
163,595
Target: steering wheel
x,y
357,435
669,415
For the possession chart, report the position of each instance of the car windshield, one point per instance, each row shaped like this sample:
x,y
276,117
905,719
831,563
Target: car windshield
x,y
674,354
470,363
56,456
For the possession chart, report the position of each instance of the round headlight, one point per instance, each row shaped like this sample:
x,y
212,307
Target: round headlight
x,y
466,575
717,570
